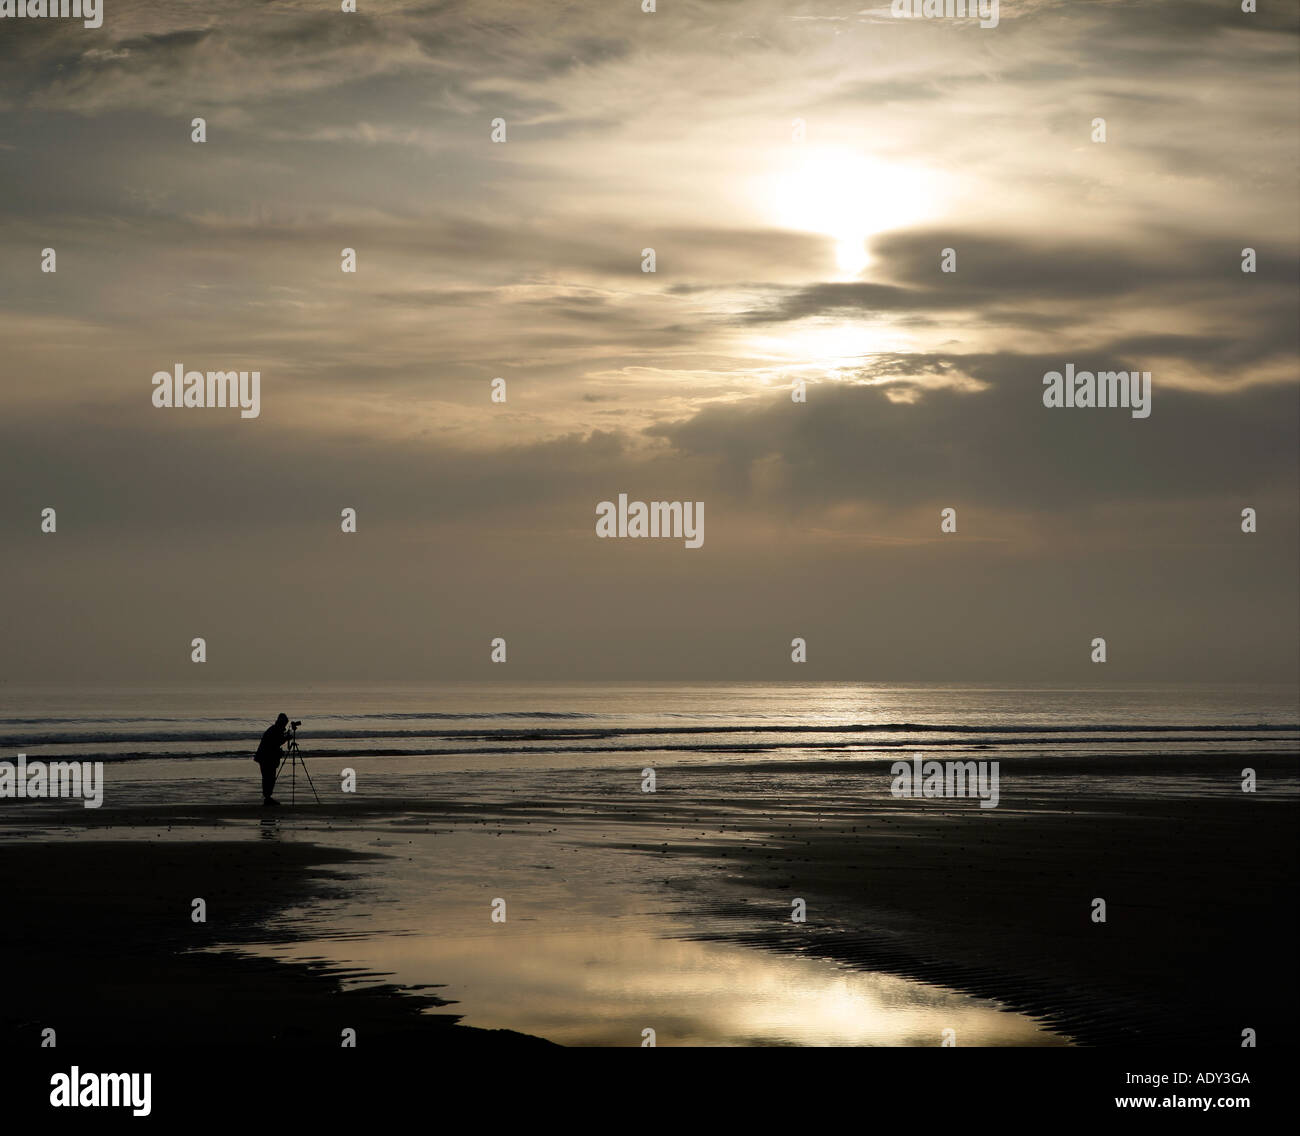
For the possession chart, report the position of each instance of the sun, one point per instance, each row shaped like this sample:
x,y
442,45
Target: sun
x,y
846,195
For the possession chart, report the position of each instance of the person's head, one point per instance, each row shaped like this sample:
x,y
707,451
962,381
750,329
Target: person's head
x,y
282,720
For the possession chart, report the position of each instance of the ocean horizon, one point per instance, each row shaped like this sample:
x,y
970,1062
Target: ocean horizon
x,y
137,722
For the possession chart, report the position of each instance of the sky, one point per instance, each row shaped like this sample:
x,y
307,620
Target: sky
x,y
798,169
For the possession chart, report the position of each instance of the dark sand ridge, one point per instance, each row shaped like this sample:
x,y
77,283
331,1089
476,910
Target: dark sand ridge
x,y
1201,920
1200,933
1200,926
103,929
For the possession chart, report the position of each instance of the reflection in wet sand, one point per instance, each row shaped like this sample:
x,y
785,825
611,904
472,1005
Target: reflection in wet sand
x,y
583,988
588,955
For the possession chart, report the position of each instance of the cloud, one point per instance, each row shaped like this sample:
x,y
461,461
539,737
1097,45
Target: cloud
x,y
999,445
523,261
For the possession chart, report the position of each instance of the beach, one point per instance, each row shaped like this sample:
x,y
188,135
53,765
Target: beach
x,y
623,910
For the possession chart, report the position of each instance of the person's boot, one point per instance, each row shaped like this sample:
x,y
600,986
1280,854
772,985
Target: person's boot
x,y
269,801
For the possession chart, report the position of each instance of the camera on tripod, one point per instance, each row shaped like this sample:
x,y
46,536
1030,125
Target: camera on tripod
x,y
293,758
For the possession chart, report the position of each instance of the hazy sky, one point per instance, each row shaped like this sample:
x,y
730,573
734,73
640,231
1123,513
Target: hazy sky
x,y
778,259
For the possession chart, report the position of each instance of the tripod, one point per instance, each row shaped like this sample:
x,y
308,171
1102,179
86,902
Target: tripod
x,y
295,759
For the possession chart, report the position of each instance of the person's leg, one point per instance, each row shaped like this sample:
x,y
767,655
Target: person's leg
x,y
268,778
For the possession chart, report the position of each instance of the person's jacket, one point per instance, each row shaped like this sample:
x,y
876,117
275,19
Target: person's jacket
x,y
269,749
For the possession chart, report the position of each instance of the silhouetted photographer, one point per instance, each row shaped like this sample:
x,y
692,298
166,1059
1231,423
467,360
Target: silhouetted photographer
x,y
268,756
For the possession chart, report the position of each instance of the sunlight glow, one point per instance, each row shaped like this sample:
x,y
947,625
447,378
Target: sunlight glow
x,y
846,195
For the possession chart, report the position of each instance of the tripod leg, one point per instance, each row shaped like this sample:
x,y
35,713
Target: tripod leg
x,y
307,773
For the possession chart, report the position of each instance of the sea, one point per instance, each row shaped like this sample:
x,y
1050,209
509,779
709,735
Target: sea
x,y
543,721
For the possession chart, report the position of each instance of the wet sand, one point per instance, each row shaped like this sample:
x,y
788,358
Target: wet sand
x,y
1196,875
1198,942
114,958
